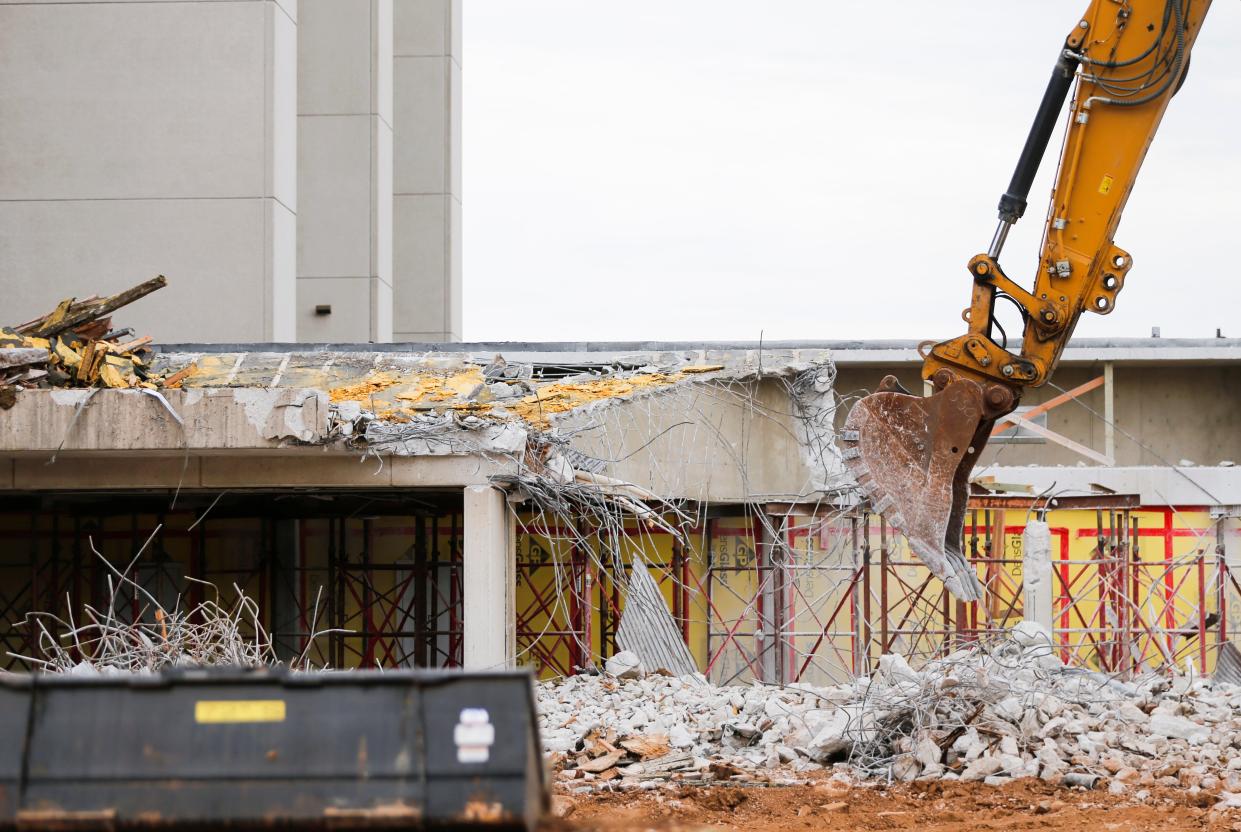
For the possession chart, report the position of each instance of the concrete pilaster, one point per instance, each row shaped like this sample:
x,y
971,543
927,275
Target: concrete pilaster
x,y
285,603
345,171
427,203
490,580
142,138
1036,573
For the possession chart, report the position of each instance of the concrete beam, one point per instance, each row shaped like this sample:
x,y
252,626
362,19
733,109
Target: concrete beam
x,y
177,420
490,580
1155,485
116,471
290,468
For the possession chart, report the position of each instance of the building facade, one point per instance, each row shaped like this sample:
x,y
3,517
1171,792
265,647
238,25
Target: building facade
x,y
487,504
292,167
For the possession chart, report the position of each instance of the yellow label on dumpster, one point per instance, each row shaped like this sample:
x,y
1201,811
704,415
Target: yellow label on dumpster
x,y
1106,185
226,711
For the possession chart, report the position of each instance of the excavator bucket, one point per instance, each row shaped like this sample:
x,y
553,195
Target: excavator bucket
x,y
912,456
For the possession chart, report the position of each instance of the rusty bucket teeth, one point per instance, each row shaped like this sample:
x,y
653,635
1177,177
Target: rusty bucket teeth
x,y
912,457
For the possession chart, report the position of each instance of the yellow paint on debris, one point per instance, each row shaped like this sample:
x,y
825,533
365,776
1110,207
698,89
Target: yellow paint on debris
x,y
212,370
463,391
113,378
437,388
420,389
67,356
363,391
570,395
395,414
12,340
401,394
388,392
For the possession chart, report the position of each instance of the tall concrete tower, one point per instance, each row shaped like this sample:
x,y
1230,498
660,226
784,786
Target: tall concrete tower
x,y
293,168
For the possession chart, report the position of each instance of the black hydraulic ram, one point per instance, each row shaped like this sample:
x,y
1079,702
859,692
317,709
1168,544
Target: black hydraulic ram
x,y
1013,202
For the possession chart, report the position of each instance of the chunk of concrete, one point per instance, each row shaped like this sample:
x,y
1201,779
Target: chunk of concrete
x,y
624,665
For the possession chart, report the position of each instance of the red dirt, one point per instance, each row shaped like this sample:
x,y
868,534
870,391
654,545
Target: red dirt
x,y
933,807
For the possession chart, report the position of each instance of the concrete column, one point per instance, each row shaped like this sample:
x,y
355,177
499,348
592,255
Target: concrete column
x,y
141,138
285,603
1109,411
1226,536
427,205
344,169
1036,572
490,580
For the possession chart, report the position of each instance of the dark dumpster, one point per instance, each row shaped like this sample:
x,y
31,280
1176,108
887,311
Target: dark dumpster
x,y
212,748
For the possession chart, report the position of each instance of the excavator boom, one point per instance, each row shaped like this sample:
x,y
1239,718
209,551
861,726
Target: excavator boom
x,y
912,456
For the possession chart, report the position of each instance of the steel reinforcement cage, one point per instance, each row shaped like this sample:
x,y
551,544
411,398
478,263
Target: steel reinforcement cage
x,y
772,592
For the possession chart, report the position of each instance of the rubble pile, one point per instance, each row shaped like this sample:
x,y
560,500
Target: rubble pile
x,y
75,345
999,710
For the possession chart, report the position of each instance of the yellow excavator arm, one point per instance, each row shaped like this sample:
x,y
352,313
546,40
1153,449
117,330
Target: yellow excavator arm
x,y
912,456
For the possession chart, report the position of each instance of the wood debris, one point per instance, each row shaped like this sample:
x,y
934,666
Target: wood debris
x,y
603,757
601,764
75,345
646,746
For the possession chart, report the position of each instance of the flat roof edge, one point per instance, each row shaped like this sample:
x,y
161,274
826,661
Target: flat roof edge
x,y
844,352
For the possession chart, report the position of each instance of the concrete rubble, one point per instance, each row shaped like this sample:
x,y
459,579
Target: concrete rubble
x,y
996,711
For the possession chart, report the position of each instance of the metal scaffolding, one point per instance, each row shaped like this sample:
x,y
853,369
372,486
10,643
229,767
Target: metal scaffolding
x,y
773,592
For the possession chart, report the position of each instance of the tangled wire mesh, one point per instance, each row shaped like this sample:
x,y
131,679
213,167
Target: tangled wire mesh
x,y
907,721
212,633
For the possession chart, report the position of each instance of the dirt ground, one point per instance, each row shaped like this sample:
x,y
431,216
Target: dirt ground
x,y
935,807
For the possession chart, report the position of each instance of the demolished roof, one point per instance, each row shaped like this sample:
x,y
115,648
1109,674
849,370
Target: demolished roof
x,y
443,403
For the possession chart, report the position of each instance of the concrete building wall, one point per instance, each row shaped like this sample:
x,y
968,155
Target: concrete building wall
x,y
1163,414
139,138
718,445
427,206
1179,414
180,137
344,239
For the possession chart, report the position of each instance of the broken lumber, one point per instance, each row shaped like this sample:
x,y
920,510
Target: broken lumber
x,y
130,346
91,361
75,345
68,315
181,375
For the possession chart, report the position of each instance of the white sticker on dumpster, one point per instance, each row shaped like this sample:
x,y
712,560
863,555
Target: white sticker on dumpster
x,y
474,736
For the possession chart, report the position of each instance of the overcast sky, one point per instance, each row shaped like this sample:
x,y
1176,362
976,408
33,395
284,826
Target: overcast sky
x,y
688,169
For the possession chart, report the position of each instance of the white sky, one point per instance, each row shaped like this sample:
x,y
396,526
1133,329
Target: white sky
x,y
808,169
